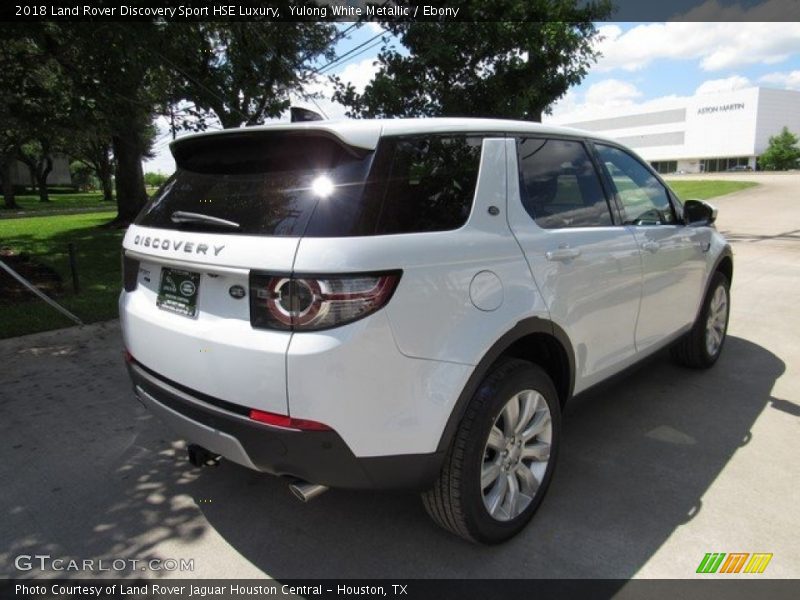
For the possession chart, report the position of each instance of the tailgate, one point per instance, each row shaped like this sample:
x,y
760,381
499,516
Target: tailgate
x,y
188,319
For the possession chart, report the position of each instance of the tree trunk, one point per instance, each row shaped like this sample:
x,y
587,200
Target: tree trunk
x,y
9,199
131,194
108,185
42,173
103,169
41,183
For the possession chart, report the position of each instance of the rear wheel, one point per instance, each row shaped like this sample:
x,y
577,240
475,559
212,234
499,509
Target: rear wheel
x,y
500,463
701,346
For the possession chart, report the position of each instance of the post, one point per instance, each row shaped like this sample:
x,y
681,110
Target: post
x,y
73,266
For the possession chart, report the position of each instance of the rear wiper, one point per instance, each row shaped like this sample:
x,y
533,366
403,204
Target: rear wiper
x,y
180,216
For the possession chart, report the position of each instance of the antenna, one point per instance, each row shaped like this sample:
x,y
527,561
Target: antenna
x,y
304,114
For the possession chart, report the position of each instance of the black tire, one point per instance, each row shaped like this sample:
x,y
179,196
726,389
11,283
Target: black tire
x,y
456,500
691,350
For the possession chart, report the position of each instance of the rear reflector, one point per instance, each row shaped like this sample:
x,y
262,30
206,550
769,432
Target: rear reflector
x,y
287,422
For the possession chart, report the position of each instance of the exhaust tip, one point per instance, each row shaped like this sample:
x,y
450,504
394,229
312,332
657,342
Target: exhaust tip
x,y
200,457
305,491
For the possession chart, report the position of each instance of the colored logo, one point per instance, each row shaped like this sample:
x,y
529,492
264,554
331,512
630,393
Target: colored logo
x,y
734,562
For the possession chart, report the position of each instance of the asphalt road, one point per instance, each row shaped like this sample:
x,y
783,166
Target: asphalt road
x,y
655,471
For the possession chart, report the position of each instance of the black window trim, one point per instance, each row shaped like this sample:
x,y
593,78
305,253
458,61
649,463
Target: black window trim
x,y
611,205
675,205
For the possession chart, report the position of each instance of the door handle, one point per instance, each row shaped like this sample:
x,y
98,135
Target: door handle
x,y
562,254
651,246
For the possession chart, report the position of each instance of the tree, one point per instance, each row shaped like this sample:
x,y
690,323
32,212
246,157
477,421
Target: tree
x,y
155,179
35,108
45,108
242,72
126,73
83,176
9,141
6,166
92,147
37,156
12,72
503,68
782,153
8,156
118,72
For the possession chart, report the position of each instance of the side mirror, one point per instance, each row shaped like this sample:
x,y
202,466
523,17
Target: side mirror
x,y
697,212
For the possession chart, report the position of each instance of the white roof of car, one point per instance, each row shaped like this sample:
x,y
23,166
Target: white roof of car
x,y
365,133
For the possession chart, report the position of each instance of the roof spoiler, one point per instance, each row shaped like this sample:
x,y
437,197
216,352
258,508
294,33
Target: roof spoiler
x,y
237,148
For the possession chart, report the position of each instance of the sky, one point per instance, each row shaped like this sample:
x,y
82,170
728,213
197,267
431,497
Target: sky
x,y
641,65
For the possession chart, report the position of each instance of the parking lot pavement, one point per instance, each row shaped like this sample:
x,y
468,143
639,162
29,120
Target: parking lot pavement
x,y
655,470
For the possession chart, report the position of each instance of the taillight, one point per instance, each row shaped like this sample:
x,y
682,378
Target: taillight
x,y
309,303
130,272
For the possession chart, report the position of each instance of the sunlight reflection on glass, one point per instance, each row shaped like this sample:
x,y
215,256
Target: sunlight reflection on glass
x,y
322,186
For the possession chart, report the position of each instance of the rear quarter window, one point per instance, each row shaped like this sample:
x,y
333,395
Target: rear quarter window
x,y
428,184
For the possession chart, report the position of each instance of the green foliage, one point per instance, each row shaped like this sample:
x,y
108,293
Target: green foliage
x,y
782,153
241,72
36,101
124,74
36,107
94,163
490,68
154,180
83,176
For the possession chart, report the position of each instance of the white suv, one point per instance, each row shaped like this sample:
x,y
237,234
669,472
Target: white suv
x,y
408,304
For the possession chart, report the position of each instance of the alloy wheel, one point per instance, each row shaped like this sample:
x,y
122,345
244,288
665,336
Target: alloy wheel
x,y
516,455
717,320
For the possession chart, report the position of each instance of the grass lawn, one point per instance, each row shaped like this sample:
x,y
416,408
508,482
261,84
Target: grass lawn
x,y
46,239
61,201
81,200
705,189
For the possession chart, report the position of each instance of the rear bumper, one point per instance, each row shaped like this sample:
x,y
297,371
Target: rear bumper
x,y
316,456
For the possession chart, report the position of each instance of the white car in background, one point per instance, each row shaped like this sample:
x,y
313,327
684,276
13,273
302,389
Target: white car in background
x,y
408,304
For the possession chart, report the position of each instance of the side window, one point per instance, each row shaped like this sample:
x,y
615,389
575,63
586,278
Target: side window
x,y
559,185
644,200
430,184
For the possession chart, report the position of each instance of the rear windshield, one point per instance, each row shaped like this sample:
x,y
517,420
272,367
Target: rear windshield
x,y
293,185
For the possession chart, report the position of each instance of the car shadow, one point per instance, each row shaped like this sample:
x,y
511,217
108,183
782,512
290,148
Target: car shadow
x,y
636,459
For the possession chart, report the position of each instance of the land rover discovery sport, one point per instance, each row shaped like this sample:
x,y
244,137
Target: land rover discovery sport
x,y
408,304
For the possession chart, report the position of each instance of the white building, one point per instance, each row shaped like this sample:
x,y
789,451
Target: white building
x,y
712,132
